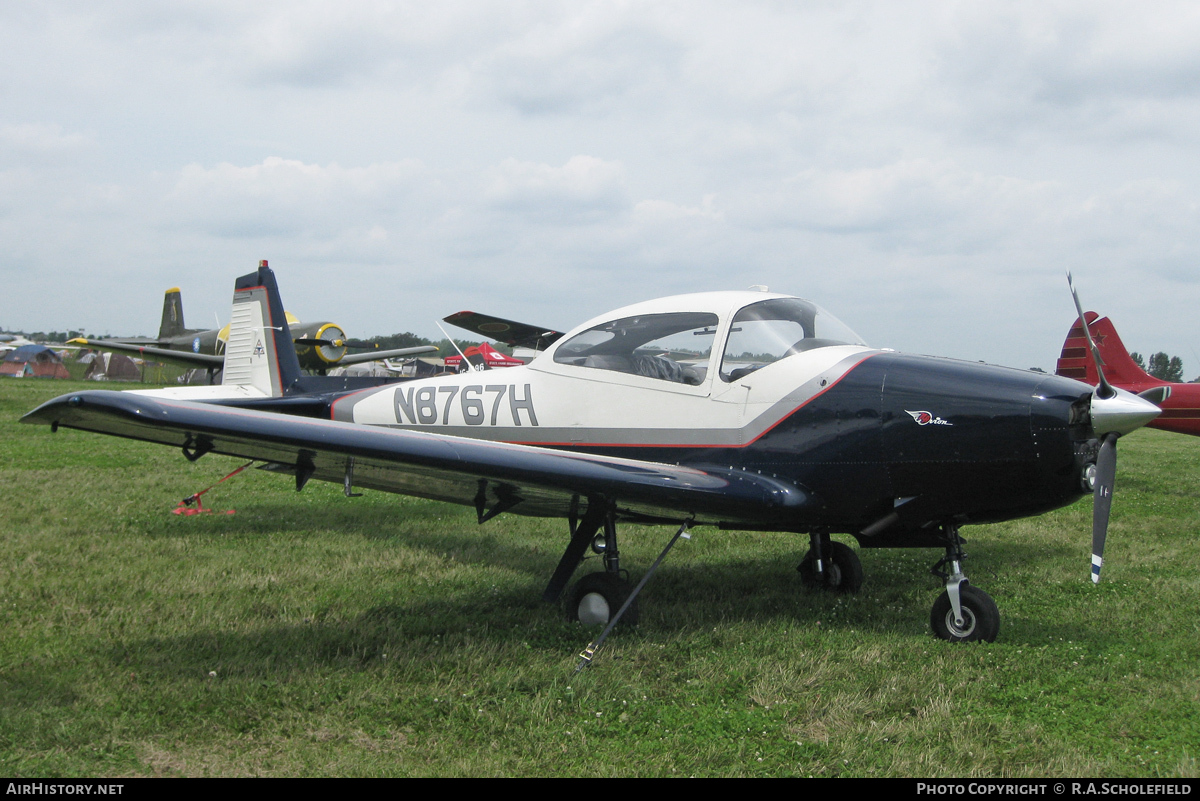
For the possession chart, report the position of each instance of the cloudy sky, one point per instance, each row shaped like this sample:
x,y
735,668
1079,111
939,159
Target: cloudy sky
x,y
928,172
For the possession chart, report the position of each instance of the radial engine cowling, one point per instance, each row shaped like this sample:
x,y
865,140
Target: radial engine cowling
x,y
327,349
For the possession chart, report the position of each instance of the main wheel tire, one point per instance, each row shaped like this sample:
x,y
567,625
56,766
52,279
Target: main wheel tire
x,y
597,597
981,617
843,570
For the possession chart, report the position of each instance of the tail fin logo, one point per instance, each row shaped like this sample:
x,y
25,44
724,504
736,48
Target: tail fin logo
x,y
923,418
259,350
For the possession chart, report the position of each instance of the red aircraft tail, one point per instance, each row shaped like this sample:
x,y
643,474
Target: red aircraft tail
x,y
1120,370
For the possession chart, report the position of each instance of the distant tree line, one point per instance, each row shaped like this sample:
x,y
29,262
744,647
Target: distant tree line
x,y
42,336
1161,366
405,340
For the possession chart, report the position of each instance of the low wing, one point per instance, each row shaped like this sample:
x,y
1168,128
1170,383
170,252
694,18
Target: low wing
x,y
521,335
491,476
183,358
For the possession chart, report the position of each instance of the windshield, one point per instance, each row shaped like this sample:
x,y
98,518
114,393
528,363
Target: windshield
x,y
765,332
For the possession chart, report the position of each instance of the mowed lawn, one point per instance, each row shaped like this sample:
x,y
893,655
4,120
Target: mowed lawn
x,y
310,634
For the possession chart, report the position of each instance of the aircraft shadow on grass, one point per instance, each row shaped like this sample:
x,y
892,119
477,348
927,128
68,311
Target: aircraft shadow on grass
x,y
444,616
431,630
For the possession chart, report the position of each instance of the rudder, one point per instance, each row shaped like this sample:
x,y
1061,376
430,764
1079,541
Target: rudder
x,y
260,352
1119,367
172,315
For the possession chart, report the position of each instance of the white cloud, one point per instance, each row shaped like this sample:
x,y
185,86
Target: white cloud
x,y
1094,72
43,139
584,188
286,197
663,211
882,158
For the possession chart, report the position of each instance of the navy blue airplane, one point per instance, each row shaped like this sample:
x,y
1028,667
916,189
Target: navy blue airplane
x,y
739,410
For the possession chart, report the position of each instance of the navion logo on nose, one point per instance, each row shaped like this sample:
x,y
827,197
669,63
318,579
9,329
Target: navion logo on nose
x,y
927,419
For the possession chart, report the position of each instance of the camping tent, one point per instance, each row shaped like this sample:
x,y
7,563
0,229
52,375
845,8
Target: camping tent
x,y
113,367
37,361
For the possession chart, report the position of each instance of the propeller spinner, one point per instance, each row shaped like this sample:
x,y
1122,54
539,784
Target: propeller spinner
x,y
1113,412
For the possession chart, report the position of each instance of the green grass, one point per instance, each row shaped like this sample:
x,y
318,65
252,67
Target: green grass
x,y
311,634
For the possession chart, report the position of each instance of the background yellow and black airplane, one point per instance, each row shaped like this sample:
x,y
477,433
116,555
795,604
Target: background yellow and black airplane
x,y
319,345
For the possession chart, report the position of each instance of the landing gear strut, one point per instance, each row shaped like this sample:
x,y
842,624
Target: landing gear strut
x,y
830,565
962,613
596,597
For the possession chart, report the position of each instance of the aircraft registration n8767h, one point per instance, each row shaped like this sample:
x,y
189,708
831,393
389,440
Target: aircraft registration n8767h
x,y
739,410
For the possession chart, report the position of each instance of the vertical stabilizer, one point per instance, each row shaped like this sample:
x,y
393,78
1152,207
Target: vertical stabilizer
x,y
172,317
260,352
1119,368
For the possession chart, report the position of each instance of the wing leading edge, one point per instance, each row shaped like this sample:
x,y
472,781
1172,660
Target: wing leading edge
x,y
491,476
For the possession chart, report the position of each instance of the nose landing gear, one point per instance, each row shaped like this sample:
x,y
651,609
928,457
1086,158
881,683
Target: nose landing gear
x,y
980,618
962,613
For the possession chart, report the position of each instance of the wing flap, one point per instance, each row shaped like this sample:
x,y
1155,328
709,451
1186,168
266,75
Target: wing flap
x,y
525,479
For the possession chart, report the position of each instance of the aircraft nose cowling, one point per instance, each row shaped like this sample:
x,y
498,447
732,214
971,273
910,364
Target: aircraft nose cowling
x,y
976,442
1121,413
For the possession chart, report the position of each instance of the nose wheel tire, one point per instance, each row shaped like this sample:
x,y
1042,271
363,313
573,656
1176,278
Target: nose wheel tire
x,y
843,570
981,617
596,598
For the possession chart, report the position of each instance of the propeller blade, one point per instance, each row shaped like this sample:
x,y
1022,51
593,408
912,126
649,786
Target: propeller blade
x,y
1114,412
1104,390
1106,474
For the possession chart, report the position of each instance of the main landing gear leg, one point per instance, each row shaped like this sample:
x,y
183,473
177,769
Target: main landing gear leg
x,y
630,602
962,613
596,598
582,536
830,565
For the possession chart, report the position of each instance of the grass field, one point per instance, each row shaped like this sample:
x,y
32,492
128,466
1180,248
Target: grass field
x,y
314,635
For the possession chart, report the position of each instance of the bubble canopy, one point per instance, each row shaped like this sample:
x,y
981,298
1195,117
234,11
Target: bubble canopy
x,y
678,345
